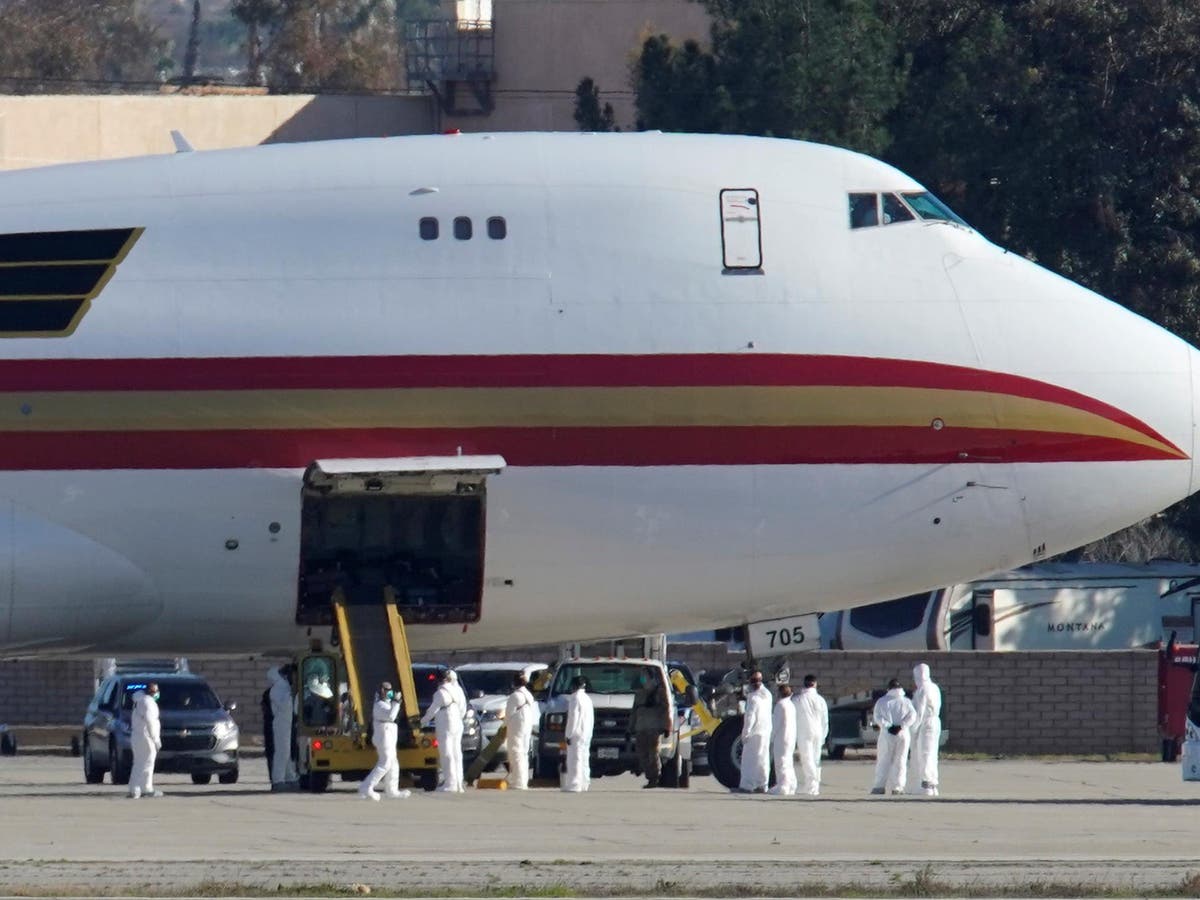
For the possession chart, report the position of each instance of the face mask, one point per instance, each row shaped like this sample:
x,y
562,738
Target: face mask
x,y
391,695
155,695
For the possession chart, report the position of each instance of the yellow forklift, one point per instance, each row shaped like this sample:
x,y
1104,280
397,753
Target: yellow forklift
x,y
337,691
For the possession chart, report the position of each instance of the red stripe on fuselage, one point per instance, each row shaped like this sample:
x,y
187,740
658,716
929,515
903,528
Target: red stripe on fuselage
x,y
585,370
558,447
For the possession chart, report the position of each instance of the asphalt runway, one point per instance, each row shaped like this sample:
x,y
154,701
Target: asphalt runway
x,y
1001,824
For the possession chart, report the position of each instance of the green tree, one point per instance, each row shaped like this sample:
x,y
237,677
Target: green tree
x,y
825,70
257,16
56,45
1063,142
335,45
589,115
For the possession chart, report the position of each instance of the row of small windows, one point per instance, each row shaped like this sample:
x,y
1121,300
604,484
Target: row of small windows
x,y
464,230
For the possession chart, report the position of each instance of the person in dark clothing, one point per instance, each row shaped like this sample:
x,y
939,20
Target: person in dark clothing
x,y
268,717
651,720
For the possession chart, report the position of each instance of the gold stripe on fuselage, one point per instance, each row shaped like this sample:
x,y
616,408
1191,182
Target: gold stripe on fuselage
x,y
562,407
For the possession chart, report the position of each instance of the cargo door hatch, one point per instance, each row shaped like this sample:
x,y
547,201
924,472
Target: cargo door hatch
x,y
415,525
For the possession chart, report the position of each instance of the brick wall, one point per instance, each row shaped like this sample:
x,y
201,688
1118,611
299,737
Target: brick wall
x,y
1007,703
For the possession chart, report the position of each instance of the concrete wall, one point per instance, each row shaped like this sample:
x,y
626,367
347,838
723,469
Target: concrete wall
x,y
1001,703
40,130
545,47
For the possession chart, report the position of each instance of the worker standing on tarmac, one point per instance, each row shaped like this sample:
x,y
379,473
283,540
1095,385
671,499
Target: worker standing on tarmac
x,y
651,720
145,739
783,743
756,738
927,733
581,717
384,735
268,725
284,776
520,713
894,716
447,711
812,729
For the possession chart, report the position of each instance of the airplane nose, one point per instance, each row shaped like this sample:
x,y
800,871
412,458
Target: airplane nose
x,y
1137,386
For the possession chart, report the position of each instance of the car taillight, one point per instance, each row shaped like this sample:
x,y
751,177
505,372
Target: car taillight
x,y
317,745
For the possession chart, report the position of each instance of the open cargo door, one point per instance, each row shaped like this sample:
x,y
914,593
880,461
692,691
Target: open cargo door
x,y
413,524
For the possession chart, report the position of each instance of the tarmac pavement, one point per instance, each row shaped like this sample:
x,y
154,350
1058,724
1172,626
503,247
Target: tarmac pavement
x,y
1000,824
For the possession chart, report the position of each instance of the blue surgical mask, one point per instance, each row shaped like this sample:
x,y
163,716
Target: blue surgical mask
x,y
391,695
155,695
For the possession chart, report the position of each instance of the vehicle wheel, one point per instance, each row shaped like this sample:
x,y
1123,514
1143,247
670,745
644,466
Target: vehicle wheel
x,y
229,777
318,782
547,767
427,781
671,771
1170,750
838,752
120,766
8,744
201,777
725,752
92,773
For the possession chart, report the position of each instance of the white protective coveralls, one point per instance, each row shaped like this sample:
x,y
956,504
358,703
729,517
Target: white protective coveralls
x,y
812,728
283,767
447,710
581,716
927,733
891,754
520,712
384,735
783,746
145,739
756,741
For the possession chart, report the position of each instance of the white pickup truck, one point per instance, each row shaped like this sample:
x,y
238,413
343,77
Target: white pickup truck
x,y
613,686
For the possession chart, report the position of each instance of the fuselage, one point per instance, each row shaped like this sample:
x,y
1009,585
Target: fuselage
x,y
694,436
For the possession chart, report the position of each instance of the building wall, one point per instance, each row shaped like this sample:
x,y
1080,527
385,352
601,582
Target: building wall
x,y
545,47
997,703
42,130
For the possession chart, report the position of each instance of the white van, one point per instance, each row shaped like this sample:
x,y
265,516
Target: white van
x,y
1049,606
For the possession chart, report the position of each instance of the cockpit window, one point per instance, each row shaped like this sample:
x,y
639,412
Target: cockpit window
x,y
894,210
928,206
864,211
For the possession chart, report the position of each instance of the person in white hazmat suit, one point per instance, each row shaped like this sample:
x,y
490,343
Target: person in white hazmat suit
x,y
812,729
756,738
581,716
384,735
783,743
447,711
284,776
894,716
520,713
927,733
145,738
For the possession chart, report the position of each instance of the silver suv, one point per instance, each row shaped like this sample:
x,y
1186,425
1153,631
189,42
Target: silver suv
x,y
199,736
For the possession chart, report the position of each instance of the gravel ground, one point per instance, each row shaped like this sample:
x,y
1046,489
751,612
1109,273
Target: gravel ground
x,y
1002,825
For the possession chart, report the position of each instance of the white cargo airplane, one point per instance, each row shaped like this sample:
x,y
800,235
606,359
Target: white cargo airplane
x,y
548,387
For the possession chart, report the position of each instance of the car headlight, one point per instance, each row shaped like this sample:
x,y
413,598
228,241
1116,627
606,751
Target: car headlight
x,y
490,715
225,730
